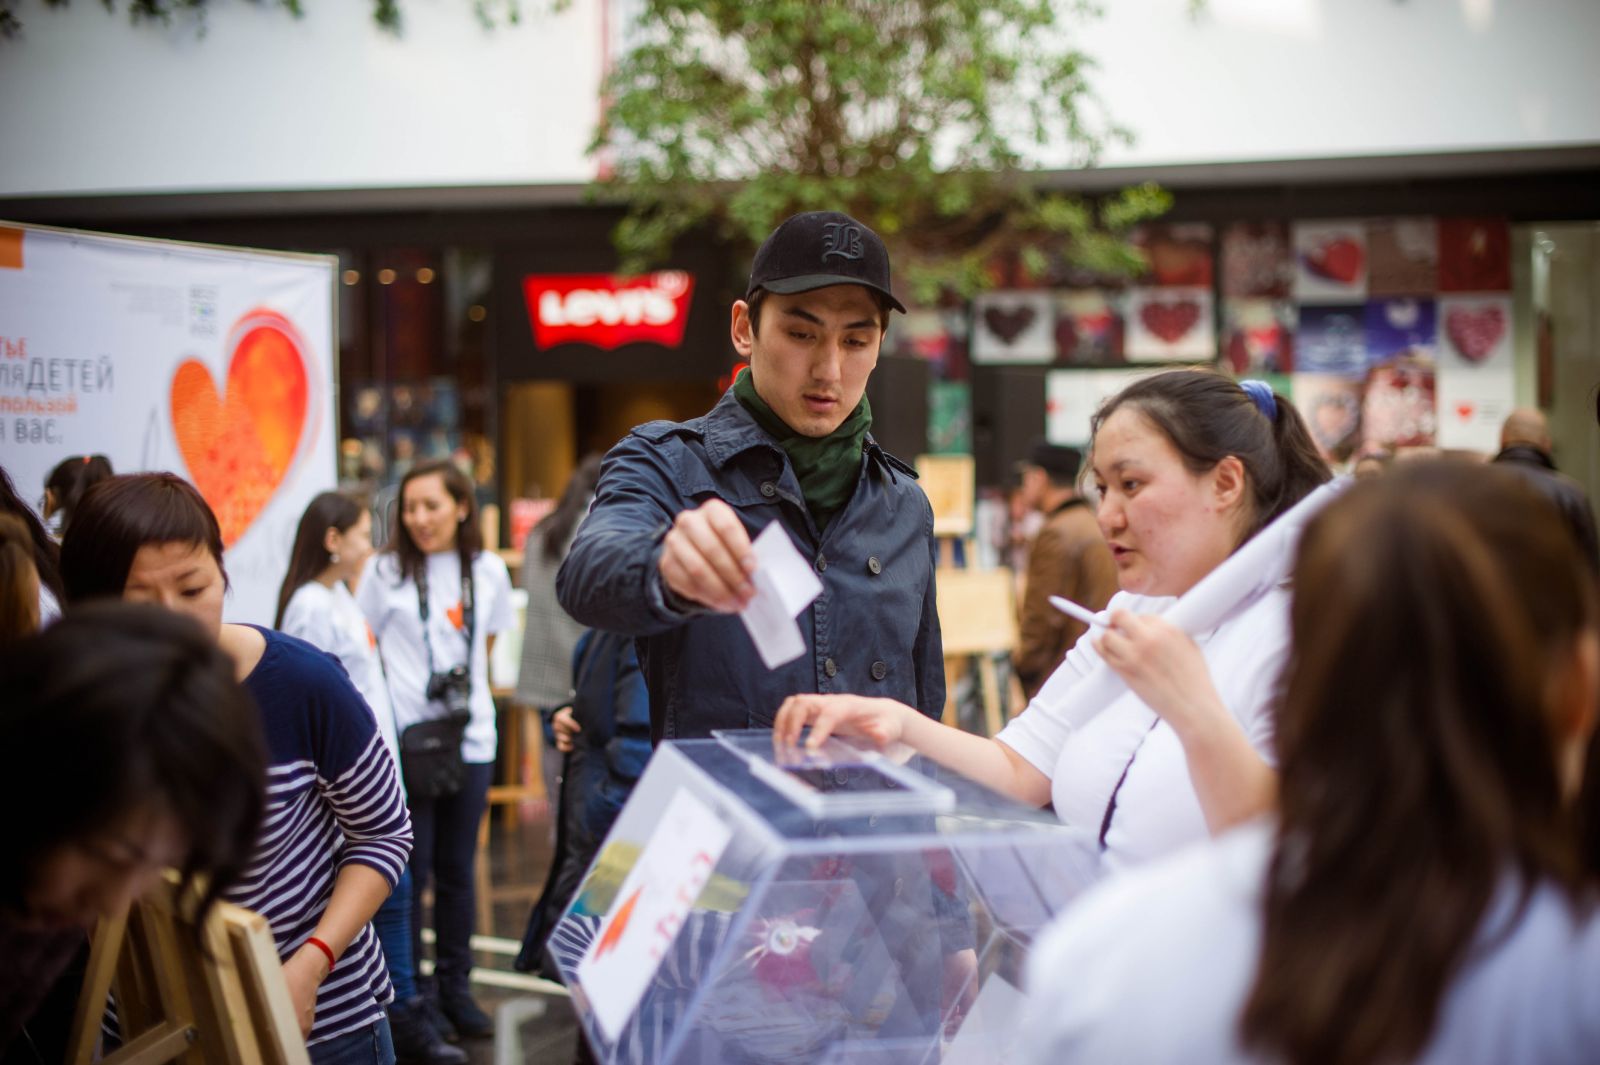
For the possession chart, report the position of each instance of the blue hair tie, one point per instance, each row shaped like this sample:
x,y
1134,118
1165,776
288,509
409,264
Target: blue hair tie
x,y
1260,394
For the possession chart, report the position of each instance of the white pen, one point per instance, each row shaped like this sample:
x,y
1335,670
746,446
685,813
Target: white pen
x,y
1077,611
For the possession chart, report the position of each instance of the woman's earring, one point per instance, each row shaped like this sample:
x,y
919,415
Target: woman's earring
x,y
333,558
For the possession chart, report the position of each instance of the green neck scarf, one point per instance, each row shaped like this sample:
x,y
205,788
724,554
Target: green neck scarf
x,y
827,466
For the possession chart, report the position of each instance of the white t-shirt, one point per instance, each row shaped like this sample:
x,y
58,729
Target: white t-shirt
x,y
391,610
1155,966
1157,810
329,619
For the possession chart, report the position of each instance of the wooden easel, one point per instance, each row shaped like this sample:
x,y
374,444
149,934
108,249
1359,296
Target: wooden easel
x,y
977,608
222,1002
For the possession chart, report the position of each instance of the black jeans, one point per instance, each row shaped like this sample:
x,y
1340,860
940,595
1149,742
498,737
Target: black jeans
x,y
444,850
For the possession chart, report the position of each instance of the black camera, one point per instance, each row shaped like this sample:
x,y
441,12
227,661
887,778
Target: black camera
x,y
453,690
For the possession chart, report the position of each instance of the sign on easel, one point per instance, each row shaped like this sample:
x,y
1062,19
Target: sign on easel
x,y
214,363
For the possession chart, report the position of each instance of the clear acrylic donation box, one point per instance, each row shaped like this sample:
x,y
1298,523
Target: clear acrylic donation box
x,y
844,907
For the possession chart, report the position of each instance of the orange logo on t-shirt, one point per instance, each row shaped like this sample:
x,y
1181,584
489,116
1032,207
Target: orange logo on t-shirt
x,y
457,616
372,641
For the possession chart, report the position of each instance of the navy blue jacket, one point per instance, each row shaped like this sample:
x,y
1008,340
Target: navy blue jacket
x,y
873,631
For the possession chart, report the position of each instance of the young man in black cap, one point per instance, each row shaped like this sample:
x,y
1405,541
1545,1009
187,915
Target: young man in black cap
x,y
665,554
1068,557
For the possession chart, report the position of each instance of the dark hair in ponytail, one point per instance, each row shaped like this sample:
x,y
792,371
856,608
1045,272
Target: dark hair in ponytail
x,y
74,476
309,556
1424,666
1208,417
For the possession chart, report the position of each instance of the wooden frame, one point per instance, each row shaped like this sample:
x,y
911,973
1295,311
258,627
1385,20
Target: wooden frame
x,y
219,999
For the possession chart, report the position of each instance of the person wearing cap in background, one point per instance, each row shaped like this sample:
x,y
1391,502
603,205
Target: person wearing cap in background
x,y
1068,558
665,554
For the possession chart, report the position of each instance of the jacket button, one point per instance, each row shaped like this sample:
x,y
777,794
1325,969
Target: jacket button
x,y
769,489
880,669
874,566
830,667
822,564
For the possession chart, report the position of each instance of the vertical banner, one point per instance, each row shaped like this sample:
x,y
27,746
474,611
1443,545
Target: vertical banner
x,y
213,363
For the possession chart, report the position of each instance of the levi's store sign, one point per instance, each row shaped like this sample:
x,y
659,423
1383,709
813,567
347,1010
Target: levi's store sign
x,y
607,311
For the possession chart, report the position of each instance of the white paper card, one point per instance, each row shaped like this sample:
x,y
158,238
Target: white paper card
x,y
650,908
785,585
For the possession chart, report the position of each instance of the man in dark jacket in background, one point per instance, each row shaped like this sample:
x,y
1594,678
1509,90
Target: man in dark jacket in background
x,y
665,554
1525,448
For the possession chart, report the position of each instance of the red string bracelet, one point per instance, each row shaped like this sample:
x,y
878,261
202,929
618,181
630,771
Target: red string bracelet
x,y
320,945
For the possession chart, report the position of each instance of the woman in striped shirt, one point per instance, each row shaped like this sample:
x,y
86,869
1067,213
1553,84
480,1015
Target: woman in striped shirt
x,y
336,833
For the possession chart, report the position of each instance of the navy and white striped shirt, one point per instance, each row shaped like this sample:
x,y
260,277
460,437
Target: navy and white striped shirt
x,y
333,798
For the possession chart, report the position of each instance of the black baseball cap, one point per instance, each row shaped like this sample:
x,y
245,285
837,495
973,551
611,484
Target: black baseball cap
x,y
1059,461
817,249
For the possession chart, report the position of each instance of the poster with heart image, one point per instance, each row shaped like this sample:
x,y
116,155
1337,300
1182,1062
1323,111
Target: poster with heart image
x,y
1332,340
1013,327
1402,256
1170,325
1258,336
1179,256
212,363
1257,261
1476,386
1331,407
1330,262
1400,327
1474,255
1089,328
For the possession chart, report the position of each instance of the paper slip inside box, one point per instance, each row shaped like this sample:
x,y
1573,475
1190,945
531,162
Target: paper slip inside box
x,y
785,585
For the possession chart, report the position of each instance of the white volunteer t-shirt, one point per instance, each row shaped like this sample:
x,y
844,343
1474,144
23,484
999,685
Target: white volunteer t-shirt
x,y
1155,965
391,610
329,619
1157,810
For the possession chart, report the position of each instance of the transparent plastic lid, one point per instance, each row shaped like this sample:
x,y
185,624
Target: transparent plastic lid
x,y
838,779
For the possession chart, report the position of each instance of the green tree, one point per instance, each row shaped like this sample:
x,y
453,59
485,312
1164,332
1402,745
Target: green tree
x,y
920,117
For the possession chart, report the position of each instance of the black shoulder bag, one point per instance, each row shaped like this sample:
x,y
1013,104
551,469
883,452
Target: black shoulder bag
x,y
430,751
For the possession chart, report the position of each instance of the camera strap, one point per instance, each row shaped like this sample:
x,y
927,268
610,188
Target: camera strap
x,y
468,612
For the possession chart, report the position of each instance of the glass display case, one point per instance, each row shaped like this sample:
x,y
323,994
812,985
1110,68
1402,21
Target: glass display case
x,y
842,906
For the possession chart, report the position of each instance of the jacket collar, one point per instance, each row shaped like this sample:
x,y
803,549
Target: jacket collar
x,y
729,431
1525,454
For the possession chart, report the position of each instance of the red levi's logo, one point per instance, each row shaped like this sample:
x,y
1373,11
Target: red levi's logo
x,y
607,311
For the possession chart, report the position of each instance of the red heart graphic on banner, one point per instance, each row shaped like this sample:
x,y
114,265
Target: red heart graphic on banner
x,y
1475,333
238,445
1170,321
1464,410
1008,325
1338,260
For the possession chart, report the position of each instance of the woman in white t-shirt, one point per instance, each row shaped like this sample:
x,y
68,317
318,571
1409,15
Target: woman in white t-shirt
x,y
1188,466
331,549
1422,895
435,600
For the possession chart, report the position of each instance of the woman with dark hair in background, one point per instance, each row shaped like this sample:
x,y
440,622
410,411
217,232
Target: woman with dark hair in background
x,y
126,748
1188,467
331,548
335,837
435,599
66,484
1421,896
549,635
46,555
19,581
